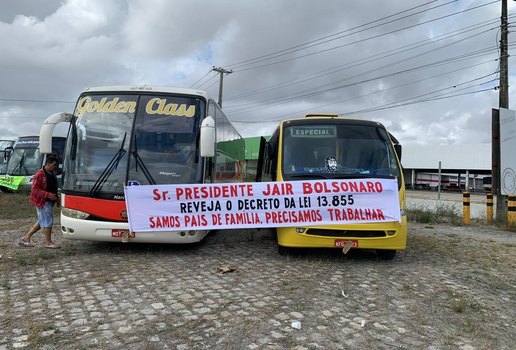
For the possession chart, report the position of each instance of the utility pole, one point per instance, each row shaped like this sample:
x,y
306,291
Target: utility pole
x,y
504,58
503,102
221,71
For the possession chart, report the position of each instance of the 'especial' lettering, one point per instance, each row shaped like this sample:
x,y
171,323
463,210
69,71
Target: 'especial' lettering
x,y
85,104
160,106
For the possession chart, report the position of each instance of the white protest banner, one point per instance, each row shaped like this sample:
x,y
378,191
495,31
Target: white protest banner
x,y
261,204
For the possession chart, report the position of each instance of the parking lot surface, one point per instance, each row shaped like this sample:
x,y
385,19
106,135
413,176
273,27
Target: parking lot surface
x,y
453,288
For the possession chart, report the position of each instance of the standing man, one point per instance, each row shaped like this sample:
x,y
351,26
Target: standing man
x,y
43,196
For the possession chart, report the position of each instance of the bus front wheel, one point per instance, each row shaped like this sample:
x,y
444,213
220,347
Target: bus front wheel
x,y
385,254
283,250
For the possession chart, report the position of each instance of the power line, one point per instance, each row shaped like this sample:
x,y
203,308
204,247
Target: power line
x,y
37,101
454,87
275,54
360,40
317,92
214,76
204,76
385,90
381,108
362,61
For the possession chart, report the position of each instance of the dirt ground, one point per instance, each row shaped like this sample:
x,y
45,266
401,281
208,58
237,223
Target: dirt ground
x,y
452,288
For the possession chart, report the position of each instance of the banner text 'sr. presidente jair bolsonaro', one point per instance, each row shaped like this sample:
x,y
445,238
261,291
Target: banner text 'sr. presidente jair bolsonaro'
x,y
258,205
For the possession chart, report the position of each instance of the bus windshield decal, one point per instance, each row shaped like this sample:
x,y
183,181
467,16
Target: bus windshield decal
x,y
105,105
27,143
312,131
160,106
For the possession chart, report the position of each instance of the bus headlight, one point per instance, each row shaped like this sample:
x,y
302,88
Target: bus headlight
x,y
75,214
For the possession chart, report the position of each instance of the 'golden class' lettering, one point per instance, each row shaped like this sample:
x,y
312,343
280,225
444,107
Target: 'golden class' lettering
x,y
114,105
160,106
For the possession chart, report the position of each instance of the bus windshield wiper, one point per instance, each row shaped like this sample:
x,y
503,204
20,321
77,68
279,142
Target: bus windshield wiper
x,y
73,147
20,165
113,164
360,176
140,162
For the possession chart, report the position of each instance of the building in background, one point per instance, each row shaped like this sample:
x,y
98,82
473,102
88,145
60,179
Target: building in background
x,y
462,166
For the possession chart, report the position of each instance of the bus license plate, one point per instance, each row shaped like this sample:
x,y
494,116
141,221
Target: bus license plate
x,y
121,233
346,243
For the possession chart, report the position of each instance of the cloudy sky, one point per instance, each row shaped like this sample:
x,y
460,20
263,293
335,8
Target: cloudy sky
x,y
426,69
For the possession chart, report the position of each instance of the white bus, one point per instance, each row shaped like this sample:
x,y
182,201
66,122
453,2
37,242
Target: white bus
x,y
142,135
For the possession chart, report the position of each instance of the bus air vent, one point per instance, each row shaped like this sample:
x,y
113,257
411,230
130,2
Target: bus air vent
x,y
344,233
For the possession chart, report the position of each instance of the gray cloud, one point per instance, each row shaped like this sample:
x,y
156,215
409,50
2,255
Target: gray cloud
x,y
52,50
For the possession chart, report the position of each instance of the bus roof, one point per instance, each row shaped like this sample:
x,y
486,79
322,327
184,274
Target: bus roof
x,y
146,88
330,120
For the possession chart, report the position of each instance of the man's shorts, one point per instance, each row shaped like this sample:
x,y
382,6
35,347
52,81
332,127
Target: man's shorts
x,y
45,216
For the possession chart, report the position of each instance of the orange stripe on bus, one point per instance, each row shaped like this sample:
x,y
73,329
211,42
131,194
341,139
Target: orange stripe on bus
x,y
104,208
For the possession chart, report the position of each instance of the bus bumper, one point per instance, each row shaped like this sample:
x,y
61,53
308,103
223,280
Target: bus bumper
x,y
392,235
105,231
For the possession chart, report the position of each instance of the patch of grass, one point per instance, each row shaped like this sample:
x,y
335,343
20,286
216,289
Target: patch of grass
x,y
44,255
24,260
421,215
6,285
35,330
407,288
449,213
442,213
459,305
34,256
15,205
69,250
463,304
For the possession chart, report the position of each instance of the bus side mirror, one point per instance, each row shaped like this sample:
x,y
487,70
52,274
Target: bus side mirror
x,y
7,153
47,129
207,143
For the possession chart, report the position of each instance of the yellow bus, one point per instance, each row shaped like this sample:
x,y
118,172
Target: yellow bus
x,y
328,147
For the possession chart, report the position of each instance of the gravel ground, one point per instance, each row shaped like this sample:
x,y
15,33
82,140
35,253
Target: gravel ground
x,y
453,288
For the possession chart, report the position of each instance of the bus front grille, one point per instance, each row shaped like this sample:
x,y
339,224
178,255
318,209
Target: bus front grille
x,y
344,233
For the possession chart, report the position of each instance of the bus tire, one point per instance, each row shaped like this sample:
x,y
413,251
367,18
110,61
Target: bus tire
x,y
386,254
283,250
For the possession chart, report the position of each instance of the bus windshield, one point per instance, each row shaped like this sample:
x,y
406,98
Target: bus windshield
x,y
141,139
337,151
24,161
